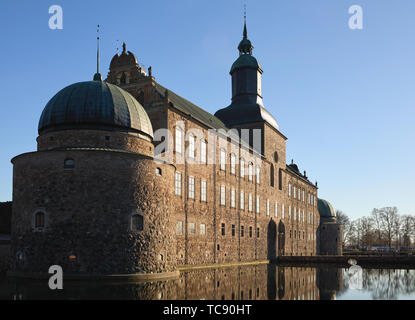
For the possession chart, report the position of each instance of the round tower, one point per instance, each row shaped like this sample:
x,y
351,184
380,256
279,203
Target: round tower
x,y
89,199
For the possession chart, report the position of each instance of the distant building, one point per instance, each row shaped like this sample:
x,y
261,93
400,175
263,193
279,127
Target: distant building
x,y
329,232
103,194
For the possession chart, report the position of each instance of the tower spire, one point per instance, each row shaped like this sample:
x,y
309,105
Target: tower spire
x,y
245,46
97,76
245,30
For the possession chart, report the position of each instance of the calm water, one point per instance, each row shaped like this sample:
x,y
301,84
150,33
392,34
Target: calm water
x,y
262,282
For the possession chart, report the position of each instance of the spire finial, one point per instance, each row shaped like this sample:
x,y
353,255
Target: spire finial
x,y
124,47
97,76
245,30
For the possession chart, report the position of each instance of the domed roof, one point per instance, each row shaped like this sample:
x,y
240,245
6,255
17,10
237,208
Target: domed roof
x,y
247,61
325,209
126,58
94,105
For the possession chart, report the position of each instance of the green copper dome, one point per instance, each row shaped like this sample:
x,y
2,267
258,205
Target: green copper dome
x,y
325,209
245,61
94,105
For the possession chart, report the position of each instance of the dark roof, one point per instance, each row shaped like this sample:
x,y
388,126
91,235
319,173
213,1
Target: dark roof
x,y
190,108
325,209
94,104
245,61
293,168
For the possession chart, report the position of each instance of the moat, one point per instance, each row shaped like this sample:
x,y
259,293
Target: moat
x,y
261,282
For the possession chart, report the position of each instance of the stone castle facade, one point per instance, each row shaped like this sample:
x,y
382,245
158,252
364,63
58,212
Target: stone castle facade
x,y
131,178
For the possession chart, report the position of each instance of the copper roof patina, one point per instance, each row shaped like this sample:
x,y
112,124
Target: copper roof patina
x,y
94,105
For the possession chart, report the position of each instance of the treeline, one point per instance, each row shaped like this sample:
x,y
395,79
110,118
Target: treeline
x,y
384,227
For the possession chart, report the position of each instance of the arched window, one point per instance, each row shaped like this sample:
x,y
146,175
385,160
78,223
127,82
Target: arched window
x,y
271,176
203,151
223,159
233,163
69,163
39,220
250,171
242,168
137,222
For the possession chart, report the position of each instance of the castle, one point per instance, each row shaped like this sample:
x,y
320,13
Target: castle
x,y
131,178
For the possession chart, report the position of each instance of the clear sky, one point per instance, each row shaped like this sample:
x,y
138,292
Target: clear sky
x,y
344,98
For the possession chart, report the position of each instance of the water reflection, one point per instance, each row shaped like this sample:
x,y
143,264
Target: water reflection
x,y
385,284
262,282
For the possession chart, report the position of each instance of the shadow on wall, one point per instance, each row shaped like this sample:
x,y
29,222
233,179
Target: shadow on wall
x,y
5,217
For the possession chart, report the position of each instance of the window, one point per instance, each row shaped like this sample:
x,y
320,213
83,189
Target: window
x,y
280,179
268,208
202,229
233,163
242,168
257,232
282,211
242,231
223,229
203,190
158,171
178,184
179,227
137,222
191,187
303,195
250,171
233,230
179,140
295,193
233,198
276,210
289,212
192,146
69,164
250,232
222,196
289,189
271,176
242,201
39,220
258,175
222,159
295,214
250,202
299,194
203,153
257,204
192,228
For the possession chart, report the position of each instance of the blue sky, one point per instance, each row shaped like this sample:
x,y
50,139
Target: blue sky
x,y
344,98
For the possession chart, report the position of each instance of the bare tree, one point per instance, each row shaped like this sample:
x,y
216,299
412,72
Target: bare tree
x,y
407,229
344,220
377,224
387,220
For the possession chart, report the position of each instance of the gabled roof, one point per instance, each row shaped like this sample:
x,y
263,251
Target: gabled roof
x,y
191,109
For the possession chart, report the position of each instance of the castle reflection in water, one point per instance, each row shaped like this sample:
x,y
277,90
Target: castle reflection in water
x,y
260,282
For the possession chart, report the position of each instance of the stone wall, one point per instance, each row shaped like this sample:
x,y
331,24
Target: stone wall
x,y
330,238
88,213
127,141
